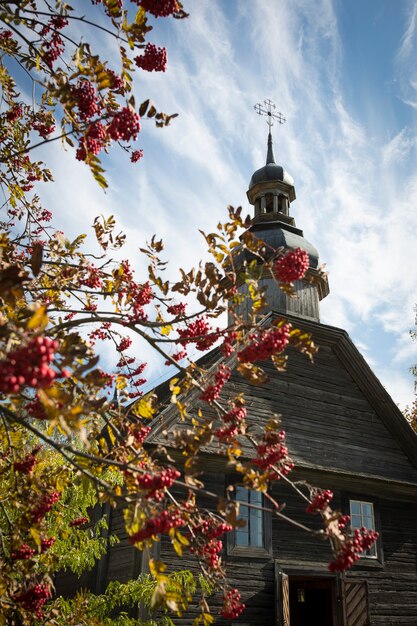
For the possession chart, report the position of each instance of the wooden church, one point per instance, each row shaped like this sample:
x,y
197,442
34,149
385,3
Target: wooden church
x,y
344,433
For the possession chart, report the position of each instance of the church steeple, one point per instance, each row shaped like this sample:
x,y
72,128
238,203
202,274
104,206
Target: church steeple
x,y
271,192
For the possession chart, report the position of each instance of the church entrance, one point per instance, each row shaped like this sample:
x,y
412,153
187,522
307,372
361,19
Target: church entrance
x,y
312,601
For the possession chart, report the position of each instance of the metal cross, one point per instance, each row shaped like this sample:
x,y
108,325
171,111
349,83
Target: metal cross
x,y
268,111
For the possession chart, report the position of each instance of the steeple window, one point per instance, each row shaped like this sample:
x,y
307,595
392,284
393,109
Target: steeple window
x,y
282,204
269,202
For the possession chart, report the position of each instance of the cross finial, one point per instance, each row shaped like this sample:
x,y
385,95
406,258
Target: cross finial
x,y
268,110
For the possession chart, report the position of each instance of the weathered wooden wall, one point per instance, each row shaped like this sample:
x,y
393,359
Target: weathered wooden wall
x,y
345,439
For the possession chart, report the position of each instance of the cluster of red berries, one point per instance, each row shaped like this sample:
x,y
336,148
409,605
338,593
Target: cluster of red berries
x,y
209,551
44,126
78,521
47,543
177,309
212,392
124,344
92,277
34,598
26,465
320,500
125,125
197,332
153,59
159,8
130,376
53,49
141,295
6,34
155,484
59,22
14,113
44,506
136,156
100,333
107,379
272,450
141,433
227,347
29,366
212,529
181,354
117,84
138,370
44,215
25,552
232,606
266,344
86,97
292,266
343,521
351,550
158,525
36,409
228,433
236,419
96,138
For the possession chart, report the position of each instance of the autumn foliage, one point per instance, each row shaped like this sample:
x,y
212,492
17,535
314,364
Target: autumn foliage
x,y
65,442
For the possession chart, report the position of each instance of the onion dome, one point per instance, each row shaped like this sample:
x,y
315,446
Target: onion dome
x,y
271,189
271,171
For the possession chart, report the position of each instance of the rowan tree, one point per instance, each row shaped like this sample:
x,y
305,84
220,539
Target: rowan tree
x,y
59,301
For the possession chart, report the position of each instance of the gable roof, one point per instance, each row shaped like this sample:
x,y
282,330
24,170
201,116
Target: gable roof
x,y
374,402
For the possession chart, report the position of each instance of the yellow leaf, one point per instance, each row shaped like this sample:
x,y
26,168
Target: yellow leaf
x,y
165,330
156,567
145,407
39,319
120,383
177,547
182,410
182,539
158,596
36,536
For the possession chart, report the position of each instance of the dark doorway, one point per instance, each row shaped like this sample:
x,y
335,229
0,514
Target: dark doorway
x,y
312,602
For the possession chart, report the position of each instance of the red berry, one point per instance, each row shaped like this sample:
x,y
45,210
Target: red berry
x,y
266,344
159,8
153,59
232,606
292,266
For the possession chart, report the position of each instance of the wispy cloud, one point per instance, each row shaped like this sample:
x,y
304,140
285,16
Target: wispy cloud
x,y
356,189
405,59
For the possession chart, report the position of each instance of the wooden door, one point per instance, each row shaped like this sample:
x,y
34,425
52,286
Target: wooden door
x,y
355,603
282,597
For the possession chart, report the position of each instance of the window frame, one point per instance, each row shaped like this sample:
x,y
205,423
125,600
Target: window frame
x,y
362,518
264,551
367,560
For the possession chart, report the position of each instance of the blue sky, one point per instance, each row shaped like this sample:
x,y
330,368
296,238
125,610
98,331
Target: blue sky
x,y
344,75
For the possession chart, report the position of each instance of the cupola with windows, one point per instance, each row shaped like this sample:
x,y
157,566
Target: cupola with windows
x,y
271,192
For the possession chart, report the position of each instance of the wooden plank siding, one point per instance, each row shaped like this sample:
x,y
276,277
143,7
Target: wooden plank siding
x,y
328,416
345,434
392,585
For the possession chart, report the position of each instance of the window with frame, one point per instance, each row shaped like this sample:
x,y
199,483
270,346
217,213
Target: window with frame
x,y
362,514
252,533
254,537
